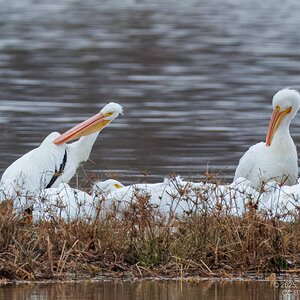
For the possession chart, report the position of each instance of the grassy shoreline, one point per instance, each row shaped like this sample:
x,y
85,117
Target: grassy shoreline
x,y
143,243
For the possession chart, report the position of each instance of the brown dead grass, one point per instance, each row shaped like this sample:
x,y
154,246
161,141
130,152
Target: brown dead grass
x,y
141,243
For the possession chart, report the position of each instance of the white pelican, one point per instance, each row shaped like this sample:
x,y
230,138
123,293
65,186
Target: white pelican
x,y
65,203
172,196
107,186
276,159
177,196
54,161
167,196
62,202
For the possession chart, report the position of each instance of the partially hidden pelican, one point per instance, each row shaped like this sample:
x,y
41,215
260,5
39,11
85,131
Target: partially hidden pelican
x,y
276,159
55,161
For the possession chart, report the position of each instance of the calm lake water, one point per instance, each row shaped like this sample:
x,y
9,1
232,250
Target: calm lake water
x,y
150,290
195,78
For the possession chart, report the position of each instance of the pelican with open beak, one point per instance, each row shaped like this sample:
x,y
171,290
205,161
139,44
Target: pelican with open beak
x,y
55,161
276,159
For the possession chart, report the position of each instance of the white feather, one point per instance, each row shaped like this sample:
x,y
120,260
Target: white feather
x,y
279,161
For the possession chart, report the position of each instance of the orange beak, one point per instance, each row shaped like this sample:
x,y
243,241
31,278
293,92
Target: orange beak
x,y
93,124
276,119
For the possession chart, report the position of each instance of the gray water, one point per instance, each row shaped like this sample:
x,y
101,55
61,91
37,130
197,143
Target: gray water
x,y
195,78
150,290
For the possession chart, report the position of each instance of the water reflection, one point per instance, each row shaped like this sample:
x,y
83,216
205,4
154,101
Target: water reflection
x,y
195,78
173,290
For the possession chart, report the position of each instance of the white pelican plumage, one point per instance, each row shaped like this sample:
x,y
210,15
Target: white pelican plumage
x,y
276,159
54,161
66,203
172,196
107,186
178,196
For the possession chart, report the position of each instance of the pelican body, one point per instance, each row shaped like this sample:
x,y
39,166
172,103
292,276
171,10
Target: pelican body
x,y
55,161
276,159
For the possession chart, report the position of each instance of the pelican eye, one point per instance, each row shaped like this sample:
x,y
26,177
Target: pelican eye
x,y
277,107
109,114
117,186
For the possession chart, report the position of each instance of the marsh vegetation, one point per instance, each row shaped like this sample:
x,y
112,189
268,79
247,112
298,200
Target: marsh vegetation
x,y
138,240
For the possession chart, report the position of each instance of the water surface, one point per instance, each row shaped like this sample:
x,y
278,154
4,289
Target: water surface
x,y
195,77
167,290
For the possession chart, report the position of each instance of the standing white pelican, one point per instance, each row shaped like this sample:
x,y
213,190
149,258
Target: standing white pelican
x,y
54,161
276,159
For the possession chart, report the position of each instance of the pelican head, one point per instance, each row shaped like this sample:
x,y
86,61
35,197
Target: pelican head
x,y
286,103
94,124
108,185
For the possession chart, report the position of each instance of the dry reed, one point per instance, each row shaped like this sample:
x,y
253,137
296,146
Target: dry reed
x,y
142,242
